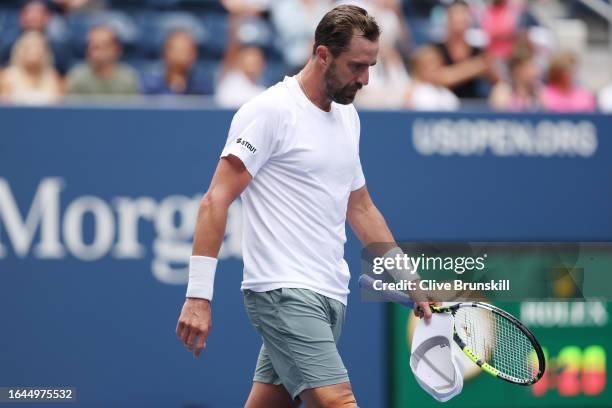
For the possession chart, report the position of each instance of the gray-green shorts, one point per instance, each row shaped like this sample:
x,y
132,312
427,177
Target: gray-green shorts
x,y
299,329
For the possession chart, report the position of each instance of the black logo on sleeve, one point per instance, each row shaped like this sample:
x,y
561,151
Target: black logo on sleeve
x,y
246,144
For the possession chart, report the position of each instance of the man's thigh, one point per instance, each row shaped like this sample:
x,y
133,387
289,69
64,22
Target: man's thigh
x,y
270,396
297,330
330,396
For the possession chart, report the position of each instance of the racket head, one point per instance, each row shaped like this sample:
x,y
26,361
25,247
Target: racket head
x,y
497,342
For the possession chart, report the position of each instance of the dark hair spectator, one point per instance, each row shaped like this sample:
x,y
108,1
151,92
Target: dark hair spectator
x,y
178,77
562,94
31,78
36,16
102,74
523,92
465,66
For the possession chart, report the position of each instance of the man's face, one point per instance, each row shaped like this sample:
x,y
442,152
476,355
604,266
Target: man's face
x,y
102,48
349,72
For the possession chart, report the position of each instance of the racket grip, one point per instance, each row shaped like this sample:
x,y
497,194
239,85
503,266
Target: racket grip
x,y
366,283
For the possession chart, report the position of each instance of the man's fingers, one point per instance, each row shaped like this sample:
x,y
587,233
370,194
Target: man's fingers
x,y
185,333
426,311
180,326
200,344
193,333
423,310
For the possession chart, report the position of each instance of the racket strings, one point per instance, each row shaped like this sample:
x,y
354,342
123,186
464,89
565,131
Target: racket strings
x,y
497,341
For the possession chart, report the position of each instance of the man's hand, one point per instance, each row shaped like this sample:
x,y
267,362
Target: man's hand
x,y
423,300
194,324
423,309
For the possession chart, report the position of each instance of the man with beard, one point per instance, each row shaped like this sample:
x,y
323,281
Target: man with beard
x,y
293,156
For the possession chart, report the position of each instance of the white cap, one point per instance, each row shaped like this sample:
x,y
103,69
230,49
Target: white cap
x,y
435,359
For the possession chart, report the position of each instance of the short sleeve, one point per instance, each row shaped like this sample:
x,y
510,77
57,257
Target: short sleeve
x,y
358,177
252,136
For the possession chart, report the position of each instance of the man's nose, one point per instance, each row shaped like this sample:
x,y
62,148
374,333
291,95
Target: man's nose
x,y
364,78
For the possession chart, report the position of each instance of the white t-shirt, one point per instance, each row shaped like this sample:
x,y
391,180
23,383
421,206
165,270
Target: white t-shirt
x,y
605,99
304,163
428,97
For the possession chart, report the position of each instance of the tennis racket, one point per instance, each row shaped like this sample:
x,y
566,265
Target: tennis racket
x,y
492,338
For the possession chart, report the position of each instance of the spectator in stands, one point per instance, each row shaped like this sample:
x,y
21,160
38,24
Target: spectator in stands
x,y
424,93
295,21
605,99
562,94
523,93
102,74
68,6
239,83
178,77
35,16
501,23
30,78
246,7
465,66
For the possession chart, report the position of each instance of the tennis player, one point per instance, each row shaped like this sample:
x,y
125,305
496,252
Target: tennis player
x,y
292,154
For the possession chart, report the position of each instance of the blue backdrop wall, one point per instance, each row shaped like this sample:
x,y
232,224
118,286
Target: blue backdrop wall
x,y
97,208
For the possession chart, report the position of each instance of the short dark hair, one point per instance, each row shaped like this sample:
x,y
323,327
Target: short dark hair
x,y
339,25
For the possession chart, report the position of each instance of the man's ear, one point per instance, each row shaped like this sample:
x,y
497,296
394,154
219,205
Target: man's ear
x,y
323,54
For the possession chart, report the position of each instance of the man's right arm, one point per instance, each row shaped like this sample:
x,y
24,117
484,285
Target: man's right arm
x,y
230,179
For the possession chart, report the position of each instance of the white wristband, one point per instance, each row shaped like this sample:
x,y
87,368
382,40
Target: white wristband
x,y
201,277
403,268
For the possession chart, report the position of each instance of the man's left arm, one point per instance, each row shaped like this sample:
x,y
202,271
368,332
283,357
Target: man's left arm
x,y
370,227
366,221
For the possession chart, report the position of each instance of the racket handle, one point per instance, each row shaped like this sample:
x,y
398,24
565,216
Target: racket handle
x,y
366,283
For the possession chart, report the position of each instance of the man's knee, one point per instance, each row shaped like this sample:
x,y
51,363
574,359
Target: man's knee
x,y
333,396
265,395
343,399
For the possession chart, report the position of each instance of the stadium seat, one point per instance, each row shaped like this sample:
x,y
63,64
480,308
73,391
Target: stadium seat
x,y
124,26
217,25
206,71
275,71
157,26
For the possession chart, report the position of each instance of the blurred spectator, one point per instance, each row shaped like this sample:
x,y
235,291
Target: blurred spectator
x,y
178,77
102,74
35,16
562,94
423,93
465,65
605,99
501,23
30,78
246,7
295,21
239,83
523,91
68,6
